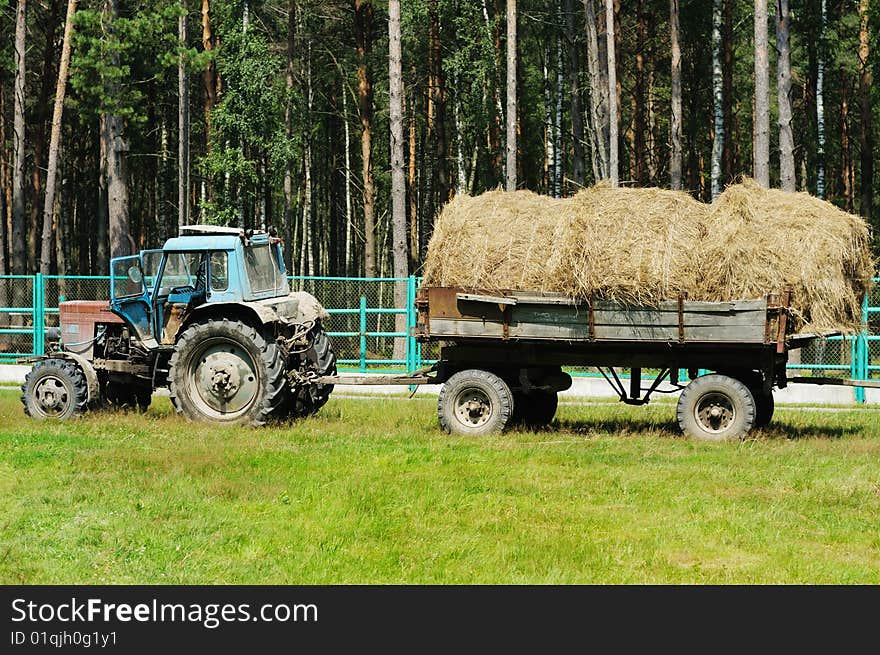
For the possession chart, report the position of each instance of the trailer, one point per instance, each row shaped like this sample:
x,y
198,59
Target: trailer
x,y
503,355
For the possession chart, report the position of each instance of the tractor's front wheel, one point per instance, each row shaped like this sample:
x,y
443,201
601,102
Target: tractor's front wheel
x,y
226,372
55,388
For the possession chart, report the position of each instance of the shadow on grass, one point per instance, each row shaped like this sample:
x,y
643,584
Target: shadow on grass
x,y
624,426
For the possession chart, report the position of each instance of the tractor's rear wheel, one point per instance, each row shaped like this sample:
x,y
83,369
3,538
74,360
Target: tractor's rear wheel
x,y
321,360
55,388
227,372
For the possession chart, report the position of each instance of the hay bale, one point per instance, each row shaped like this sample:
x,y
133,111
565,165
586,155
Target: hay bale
x,y
629,245
641,246
760,240
617,244
496,240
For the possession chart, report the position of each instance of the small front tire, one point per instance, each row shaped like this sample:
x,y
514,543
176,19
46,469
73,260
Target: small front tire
x,y
55,389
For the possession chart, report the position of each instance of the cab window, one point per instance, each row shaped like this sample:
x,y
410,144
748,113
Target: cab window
x,y
219,271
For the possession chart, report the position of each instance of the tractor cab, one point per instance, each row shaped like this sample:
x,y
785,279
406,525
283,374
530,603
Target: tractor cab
x,y
157,290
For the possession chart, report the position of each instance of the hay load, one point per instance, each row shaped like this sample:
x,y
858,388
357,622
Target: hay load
x,y
641,246
761,240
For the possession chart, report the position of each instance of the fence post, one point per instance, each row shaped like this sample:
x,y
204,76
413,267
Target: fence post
x,y
363,333
410,324
39,315
862,351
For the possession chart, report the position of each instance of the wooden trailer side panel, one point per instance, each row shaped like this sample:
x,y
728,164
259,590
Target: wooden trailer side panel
x,y
448,313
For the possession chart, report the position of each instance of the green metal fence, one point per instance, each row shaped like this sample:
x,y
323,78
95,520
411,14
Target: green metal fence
x,y
366,324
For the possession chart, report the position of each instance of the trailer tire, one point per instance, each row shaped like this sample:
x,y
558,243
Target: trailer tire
x,y
534,409
764,406
475,403
716,408
247,383
55,389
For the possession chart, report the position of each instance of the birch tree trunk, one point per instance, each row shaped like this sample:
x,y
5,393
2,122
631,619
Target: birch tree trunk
x,y
398,180
820,106
675,159
866,138
55,141
598,95
717,100
363,10
510,143
348,208
182,124
19,252
762,96
288,134
574,91
102,249
612,94
5,197
557,123
549,140
783,91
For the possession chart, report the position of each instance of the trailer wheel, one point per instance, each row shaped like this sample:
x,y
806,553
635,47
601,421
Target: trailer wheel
x,y
227,372
716,408
475,402
535,409
764,406
54,388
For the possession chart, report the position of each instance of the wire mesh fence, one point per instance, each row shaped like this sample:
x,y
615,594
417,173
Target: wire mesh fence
x,y
370,330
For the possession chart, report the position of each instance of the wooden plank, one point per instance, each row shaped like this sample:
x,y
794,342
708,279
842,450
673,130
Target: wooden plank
x,y
496,300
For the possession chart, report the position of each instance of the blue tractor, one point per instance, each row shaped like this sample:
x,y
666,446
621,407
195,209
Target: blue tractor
x,y
210,316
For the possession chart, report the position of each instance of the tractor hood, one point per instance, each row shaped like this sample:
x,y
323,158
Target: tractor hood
x,y
296,307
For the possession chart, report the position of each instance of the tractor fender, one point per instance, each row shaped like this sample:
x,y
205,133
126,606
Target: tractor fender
x,y
88,371
296,307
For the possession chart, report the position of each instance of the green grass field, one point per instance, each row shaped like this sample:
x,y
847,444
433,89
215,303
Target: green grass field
x,y
370,491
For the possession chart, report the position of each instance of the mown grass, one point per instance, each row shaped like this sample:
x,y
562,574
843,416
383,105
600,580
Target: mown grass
x,y
370,491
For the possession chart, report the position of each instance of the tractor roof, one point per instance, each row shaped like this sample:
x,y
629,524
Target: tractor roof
x,y
212,237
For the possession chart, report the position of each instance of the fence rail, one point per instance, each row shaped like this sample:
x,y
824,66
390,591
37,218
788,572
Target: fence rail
x,y
365,324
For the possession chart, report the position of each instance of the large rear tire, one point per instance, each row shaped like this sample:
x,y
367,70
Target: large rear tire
x,y
226,372
475,403
55,389
716,408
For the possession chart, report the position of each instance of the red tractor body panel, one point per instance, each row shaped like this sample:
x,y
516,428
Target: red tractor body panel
x,y
78,320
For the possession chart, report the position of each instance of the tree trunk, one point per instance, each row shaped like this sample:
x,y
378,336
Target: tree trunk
x,y
510,160
210,71
820,106
549,129
866,138
728,167
363,31
288,134
613,165
349,243
5,195
55,141
38,138
598,92
102,249
717,101
846,167
19,252
557,119
783,83
116,165
438,100
640,115
675,159
574,91
398,180
182,124
412,179
762,96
